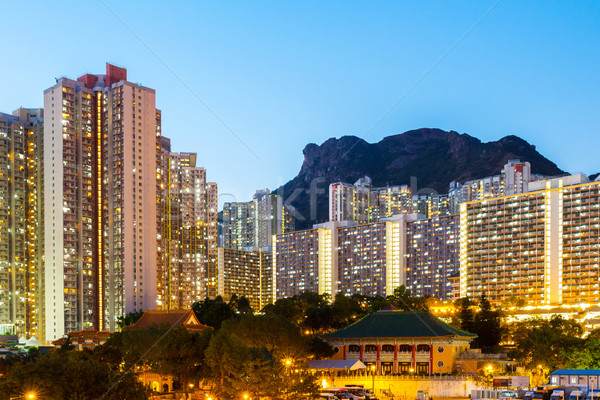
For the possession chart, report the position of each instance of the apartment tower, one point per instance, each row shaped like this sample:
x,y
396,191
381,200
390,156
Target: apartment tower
x,y
21,284
541,247
100,175
189,227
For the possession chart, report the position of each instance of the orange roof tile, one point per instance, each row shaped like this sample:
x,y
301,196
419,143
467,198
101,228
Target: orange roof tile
x,y
172,318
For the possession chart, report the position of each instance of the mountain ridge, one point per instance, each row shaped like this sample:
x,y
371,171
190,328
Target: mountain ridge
x,y
433,156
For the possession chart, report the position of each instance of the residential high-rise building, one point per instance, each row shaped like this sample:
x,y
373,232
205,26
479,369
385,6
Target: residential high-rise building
x,y
253,224
271,217
513,179
390,200
21,283
100,188
541,246
189,226
362,203
238,225
246,273
370,257
302,261
350,202
432,256
343,257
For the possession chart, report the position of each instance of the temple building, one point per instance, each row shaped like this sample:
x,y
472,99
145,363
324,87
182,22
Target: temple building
x,y
401,342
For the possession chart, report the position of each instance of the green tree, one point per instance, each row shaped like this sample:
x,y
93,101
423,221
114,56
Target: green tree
x,y
544,342
180,354
318,318
225,356
346,310
129,319
241,365
307,299
213,312
244,306
403,300
584,356
287,308
71,375
466,317
240,304
487,325
281,338
376,303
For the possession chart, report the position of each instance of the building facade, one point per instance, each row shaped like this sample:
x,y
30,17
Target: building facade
x,y
253,224
100,220
302,262
188,270
238,225
432,256
350,202
21,187
336,257
246,273
514,178
369,258
542,246
362,203
405,343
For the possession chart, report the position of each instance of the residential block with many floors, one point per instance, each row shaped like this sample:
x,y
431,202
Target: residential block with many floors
x,y
253,224
362,203
21,188
432,256
188,239
542,246
100,162
246,273
343,257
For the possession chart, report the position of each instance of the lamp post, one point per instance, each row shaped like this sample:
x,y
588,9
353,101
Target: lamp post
x,y
373,375
489,369
541,371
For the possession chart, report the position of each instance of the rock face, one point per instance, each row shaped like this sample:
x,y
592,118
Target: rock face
x,y
435,157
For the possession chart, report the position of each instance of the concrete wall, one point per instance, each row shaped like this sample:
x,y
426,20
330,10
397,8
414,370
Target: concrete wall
x,y
405,388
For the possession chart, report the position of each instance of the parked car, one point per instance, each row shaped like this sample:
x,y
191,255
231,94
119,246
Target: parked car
x,y
542,394
339,393
578,394
508,395
595,396
562,393
528,395
356,392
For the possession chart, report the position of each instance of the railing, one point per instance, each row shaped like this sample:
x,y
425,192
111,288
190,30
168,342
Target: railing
x,y
358,375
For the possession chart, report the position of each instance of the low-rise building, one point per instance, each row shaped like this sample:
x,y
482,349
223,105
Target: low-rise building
x,y
170,318
88,338
589,378
400,342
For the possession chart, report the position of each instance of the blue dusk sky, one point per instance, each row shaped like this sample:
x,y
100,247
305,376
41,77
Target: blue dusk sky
x,y
247,85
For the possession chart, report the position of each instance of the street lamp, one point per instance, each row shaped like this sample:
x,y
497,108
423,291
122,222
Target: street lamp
x,y
542,377
488,375
373,370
